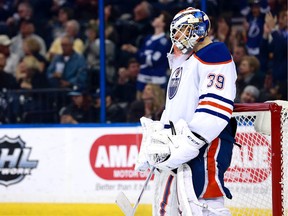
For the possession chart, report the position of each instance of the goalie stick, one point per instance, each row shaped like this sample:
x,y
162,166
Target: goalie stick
x,y
123,202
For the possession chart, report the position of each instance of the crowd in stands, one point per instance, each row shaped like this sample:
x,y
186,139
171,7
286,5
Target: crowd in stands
x,y
53,46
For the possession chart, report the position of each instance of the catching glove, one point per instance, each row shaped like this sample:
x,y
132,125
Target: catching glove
x,y
148,127
167,151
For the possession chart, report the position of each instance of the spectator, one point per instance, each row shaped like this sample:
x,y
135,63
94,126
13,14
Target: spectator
x,y
248,74
5,13
114,112
31,58
24,12
237,37
132,30
29,74
41,17
72,29
69,68
150,105
26,104
4,110
250,94
27,29
223,30
254,21
86,10
7,80
152,55
80,110
124,90
111,14
92,52
12,59
277,5
276,48
269,92
58,26
56,5
238,52
31,47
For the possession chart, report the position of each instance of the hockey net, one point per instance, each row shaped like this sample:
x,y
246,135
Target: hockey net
x,y
258,175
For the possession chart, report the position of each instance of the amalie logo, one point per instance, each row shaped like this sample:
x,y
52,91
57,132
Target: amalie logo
x,y
113,157
252,162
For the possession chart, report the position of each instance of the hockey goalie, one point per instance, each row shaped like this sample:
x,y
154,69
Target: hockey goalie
x,y
191,146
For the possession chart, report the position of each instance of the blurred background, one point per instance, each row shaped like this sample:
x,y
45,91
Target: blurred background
x,y
51,70
70,68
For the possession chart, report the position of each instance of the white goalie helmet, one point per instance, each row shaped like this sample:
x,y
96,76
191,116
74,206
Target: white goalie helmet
x,y
189,27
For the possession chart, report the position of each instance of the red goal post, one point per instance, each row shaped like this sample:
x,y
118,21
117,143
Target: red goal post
x,y
258,173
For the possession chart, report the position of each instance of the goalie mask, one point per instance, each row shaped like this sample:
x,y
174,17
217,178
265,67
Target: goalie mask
x,y
189,27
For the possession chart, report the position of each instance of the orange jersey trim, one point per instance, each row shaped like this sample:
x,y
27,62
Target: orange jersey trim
x,y
216,105
213,189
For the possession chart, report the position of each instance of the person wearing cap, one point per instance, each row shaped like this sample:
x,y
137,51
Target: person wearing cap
x,y
250,94
80,110
114,112
12,59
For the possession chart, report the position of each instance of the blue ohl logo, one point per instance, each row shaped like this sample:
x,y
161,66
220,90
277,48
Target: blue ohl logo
x,y
174,82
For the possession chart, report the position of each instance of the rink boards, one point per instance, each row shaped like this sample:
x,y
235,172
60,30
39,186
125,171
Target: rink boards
x,y
71,170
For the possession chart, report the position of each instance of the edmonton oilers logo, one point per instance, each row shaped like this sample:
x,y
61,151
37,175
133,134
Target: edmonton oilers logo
x,y
174,82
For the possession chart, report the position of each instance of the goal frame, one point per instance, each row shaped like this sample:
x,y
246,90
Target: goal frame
x,y
275,110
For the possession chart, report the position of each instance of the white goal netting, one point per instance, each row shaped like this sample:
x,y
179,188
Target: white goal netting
x,y
258,175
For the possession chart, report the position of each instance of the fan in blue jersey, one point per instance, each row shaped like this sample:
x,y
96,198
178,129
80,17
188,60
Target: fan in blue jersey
x,y
152,55
254,12
194,142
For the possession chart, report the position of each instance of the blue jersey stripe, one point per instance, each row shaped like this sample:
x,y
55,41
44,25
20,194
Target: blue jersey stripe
x,y
224,117
217,97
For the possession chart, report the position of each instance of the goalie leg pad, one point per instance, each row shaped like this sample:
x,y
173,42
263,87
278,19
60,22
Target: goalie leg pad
x,y
185,192
217,204
165,197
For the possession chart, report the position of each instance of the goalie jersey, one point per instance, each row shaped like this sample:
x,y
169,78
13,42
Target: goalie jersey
x,y
201,90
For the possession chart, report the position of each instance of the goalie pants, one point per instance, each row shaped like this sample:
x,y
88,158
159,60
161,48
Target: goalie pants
x,y
208,170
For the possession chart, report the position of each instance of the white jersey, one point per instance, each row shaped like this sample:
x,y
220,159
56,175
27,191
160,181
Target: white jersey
x,y
201,90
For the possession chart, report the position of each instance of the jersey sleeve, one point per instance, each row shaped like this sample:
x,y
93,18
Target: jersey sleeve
x,y
217,92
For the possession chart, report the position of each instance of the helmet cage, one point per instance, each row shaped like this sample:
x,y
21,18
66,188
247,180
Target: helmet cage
x,y
187,29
